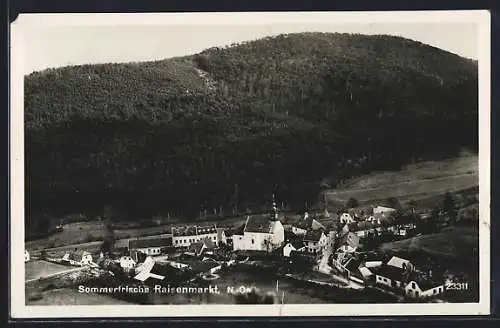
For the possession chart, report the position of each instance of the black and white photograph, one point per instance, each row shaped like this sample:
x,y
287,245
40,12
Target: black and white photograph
x,y
250,164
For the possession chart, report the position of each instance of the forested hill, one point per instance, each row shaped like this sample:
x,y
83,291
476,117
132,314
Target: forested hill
x,y
277,114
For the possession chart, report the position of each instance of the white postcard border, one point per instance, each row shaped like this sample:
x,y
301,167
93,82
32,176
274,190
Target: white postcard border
x,y
17,278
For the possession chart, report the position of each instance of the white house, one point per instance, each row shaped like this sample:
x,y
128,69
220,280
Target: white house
x,y
383,209
346,218
26,256
78,258
295,245
149,246
260,233
315,241
423,289
127,263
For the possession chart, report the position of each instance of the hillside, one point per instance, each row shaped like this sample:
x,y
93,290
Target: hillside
x,y
423,183
277,114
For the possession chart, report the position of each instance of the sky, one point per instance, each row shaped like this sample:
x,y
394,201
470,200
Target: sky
x,y
55,46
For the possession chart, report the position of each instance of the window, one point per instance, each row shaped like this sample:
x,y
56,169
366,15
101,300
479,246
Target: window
x,y
176,241
253,241
413,285
435,291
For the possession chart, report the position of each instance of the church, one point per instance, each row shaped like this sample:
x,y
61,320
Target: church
x,y
260,233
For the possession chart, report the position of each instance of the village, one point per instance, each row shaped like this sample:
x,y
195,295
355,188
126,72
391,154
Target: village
x,y
340,255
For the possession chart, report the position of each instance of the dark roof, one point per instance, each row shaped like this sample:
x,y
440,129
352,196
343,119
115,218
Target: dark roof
x,y
150,242
259,223
297,243
423,282
353,265
193,230
239,231
350,239
390,272
363,225
195,247
208,243
313,235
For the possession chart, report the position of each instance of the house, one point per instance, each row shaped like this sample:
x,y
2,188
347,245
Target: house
x,y
185,236
144,270
300,228
150,246
423,288
315,241
127,263
389,276
346,218
197,248
348,242
260,233
26,256
363,229
383,209
78,257
395,273
221,236
293,245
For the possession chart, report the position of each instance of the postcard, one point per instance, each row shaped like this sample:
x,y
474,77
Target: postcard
x,y
250,164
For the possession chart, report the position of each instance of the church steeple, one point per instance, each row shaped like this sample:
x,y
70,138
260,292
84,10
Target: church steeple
x,y
275,209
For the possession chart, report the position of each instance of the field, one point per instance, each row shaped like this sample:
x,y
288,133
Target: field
x,y
37,269
68,296
414,182
457,243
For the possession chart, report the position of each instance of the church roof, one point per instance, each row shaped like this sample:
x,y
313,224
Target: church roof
x,y
259,224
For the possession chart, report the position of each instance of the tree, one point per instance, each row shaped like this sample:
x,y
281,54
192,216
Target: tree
x,y
393,202
352,203
449,207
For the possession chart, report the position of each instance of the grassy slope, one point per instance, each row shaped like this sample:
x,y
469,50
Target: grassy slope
x,y
458,243
419,182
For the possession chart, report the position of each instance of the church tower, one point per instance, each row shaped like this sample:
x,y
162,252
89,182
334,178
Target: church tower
x,y
274,214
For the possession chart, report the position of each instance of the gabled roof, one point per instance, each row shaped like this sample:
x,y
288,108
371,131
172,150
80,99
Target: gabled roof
x,y
195,247
296,243
239,230
423,283
390,272
260,224
313,235
349,239
220,232
398,262
352,265
150,242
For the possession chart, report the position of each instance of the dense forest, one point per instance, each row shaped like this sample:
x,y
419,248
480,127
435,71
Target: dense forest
x,y
225,128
